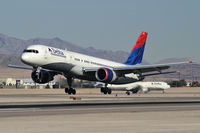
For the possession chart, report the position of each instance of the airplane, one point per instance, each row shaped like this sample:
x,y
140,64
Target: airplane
x,y
46,62
136,87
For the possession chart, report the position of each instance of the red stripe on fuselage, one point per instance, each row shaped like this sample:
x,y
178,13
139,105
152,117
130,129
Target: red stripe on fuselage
x,y
107,74
141,40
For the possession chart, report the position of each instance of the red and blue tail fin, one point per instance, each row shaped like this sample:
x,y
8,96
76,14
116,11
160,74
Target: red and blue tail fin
x,y
136,54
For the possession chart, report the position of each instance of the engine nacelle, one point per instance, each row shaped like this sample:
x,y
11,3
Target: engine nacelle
x,y
145,90
41,76
105,75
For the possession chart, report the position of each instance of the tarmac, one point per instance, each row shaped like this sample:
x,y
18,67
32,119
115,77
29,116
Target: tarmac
x,y
39,111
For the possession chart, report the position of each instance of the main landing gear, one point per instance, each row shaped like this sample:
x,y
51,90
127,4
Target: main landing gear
x,y
105,90
128,93
70,90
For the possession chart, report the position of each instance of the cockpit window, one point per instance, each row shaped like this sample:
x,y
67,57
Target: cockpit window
x,y
30,51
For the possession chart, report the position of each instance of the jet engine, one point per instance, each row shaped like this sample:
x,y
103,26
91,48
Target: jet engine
x,y
105,75
41,76
145,90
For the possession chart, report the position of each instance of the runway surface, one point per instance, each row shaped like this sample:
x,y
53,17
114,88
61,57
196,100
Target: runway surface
x,y
88,108
93,104
91,113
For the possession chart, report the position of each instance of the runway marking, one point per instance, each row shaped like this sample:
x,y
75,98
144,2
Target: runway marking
x,y
146,107
17,109
92,108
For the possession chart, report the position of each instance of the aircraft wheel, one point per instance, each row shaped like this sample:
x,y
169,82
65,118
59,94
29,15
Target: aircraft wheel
x,y
105,92
73,91
66,90
109,91
70,91
128,93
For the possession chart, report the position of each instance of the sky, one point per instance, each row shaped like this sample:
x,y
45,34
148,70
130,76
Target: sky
x,y
173,26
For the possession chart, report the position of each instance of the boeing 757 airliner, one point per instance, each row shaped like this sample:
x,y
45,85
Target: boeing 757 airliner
x,y
46,62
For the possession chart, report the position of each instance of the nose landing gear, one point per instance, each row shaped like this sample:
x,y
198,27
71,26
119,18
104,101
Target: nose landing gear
x,y
70,91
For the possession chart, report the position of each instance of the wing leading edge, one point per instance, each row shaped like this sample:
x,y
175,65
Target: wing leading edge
x,y
20,67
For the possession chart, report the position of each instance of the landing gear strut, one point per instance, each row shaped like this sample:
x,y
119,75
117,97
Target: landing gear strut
x,y
70,90
128,93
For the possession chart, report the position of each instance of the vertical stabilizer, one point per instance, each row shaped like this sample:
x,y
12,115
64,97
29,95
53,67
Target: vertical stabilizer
x,y
136,54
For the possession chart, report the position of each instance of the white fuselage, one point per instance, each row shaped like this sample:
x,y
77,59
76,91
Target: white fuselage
x,y
144,86
44,57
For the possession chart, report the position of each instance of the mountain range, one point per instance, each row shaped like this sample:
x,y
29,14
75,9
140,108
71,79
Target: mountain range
x,y
11,48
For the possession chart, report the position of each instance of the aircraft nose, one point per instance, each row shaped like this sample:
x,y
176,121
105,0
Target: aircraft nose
x,y
24,58
168,86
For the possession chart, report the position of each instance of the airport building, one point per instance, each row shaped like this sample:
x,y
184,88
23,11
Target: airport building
x,y
25,83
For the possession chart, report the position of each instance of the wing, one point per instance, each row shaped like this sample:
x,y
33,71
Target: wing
x,y
31,68
146,68
139,69
20,67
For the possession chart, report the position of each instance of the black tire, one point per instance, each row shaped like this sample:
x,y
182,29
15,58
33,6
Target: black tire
x,y
70,91
128,93
73,91
109,91
66,90
105,92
